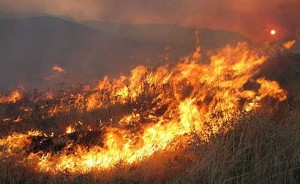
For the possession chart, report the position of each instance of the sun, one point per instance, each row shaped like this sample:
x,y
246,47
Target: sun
x,y
273,32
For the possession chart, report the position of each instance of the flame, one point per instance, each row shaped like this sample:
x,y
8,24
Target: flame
x,y
165,107
57,71
13,97
17,141
70,129
289,44
271,88
57,68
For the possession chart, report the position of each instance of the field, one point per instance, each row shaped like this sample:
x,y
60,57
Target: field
x,y
232,118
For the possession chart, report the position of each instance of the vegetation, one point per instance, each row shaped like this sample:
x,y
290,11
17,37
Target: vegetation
x,y
260,147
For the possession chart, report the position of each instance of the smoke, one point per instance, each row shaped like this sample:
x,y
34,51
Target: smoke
x,y
249,17
79,9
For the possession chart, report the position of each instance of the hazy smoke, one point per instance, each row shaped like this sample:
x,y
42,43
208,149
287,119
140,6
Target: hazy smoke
x,y
250,17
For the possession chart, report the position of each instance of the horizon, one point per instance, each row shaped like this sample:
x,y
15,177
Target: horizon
x,y
253,19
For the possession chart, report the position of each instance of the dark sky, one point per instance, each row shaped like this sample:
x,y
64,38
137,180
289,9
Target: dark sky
x,y
253,18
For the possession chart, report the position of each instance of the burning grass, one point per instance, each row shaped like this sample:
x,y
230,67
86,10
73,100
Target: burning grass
x,y
192,122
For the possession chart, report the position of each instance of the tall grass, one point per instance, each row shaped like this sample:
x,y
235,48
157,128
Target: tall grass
x,y
256,150
259,148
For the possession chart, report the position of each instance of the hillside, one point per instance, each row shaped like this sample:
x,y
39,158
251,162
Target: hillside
x,y
164,33
29,47
238,124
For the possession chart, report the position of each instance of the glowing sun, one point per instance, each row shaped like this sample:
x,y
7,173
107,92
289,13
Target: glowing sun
x,y
273,32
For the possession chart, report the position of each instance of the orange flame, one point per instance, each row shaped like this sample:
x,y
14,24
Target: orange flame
x,y
13,97
70,129
289,44
191,98
57,68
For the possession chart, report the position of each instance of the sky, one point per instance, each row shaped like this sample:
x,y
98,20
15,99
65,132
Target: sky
x,y
253,18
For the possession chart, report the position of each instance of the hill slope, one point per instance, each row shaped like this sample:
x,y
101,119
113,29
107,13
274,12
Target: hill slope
x,y
29,47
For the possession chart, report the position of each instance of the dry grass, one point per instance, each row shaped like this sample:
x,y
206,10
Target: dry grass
x,y
258,149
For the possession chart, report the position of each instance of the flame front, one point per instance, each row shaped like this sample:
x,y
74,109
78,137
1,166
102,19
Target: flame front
x,y
13,97
168,106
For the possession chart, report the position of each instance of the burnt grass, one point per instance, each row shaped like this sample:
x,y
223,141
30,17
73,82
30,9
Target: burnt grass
x,y
260,148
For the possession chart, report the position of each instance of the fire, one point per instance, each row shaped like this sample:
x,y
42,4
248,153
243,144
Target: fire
x,y
289,44
70,129
13,97
156,110
56,72
57,68
17,141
